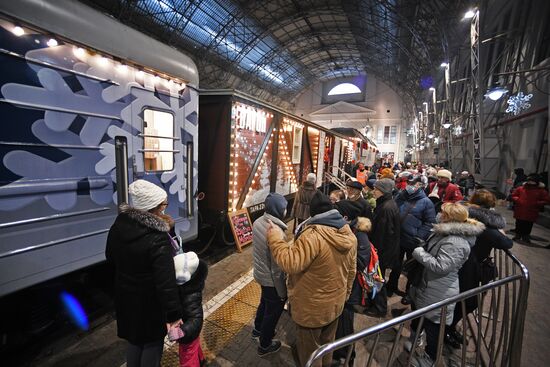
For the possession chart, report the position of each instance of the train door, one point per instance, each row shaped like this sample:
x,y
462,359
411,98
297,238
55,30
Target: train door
x,y
164,151
336,156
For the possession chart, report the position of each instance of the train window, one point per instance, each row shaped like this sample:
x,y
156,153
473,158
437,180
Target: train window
x,y
297,145
158,140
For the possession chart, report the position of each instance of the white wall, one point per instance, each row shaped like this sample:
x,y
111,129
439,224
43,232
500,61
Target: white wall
x,y
379,97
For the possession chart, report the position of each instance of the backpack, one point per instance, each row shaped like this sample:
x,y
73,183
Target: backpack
x,y
369,276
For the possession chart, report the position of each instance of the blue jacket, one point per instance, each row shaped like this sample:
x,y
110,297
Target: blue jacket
x,y
420,216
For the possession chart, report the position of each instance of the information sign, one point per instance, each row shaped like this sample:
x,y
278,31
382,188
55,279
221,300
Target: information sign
x,y
241,225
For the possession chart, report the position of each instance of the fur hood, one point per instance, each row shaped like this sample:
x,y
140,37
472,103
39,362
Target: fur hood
x,y
488,217
470,228
145,218
363,224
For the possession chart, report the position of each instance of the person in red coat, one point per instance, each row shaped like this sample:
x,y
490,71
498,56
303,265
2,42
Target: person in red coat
x,y
443,191
528,199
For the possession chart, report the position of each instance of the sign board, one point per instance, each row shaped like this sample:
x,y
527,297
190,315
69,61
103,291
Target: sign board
x,y
241,226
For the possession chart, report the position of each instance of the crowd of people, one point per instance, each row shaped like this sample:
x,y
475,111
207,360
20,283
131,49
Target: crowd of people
x,y
345,256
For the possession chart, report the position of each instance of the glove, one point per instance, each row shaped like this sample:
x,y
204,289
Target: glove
x,y
419,242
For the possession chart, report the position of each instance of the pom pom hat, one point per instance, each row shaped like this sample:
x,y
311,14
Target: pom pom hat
x,y
145,195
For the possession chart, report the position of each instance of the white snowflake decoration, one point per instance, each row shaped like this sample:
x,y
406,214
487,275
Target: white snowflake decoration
x,y
518,103
458,130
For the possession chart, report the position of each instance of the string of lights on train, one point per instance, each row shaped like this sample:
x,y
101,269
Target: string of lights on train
x,y
104,61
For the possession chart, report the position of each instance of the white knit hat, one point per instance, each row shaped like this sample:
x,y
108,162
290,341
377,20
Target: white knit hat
x,y
145,195
185,265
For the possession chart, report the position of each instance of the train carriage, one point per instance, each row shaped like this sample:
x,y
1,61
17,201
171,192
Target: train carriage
x,y
250,148
83,114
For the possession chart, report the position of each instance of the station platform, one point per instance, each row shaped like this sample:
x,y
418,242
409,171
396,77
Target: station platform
x,y
229,315
231,297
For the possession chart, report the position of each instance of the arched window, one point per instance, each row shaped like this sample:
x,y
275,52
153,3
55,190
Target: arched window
x,y
344,88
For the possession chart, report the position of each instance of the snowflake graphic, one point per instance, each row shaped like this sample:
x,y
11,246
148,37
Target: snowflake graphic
x,y
87,112
518,103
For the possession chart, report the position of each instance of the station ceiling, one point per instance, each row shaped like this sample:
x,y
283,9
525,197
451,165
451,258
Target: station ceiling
x,y
282,47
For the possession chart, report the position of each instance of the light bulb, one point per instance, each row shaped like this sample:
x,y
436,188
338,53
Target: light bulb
x,y
79,52
18,31
52,42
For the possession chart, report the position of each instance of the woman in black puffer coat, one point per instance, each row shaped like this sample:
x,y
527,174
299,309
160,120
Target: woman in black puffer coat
x,y
146,293
480,207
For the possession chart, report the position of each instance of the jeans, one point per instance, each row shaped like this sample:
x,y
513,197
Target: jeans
x,y
268,314
144,355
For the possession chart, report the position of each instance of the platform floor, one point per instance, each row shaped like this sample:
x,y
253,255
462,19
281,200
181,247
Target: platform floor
x,y
231,297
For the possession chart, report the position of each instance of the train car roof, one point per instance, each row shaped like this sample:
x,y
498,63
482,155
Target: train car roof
x,y
352,132
252,99
82,24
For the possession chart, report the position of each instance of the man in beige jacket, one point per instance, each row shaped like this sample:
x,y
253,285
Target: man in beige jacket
x,y
321,267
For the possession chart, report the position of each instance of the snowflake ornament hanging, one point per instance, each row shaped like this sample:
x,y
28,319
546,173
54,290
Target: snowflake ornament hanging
x,y
518,103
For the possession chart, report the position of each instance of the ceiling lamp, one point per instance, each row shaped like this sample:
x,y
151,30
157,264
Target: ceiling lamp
x,y
496,93
444,64
430,136
469,14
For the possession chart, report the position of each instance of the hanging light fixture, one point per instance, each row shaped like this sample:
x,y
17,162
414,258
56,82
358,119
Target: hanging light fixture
x,y
496,93
430,136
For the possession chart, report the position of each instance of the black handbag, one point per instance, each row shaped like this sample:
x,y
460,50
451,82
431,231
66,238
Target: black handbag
x,y
413,271
489,270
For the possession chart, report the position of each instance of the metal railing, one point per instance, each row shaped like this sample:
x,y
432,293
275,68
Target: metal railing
x,y
493,333
339,179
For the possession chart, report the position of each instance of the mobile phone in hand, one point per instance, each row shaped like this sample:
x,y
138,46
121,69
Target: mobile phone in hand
x,y
175,334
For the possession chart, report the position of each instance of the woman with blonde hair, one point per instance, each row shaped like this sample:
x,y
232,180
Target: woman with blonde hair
x,y
442,256
480,207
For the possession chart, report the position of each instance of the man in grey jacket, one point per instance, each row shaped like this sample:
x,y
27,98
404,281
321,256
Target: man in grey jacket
x,y
268,274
